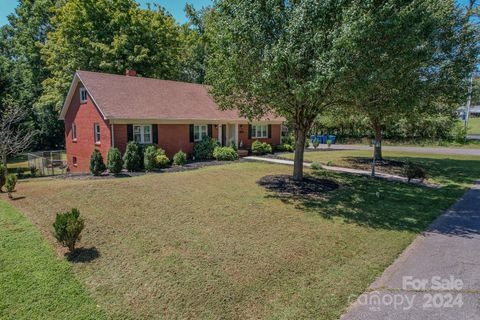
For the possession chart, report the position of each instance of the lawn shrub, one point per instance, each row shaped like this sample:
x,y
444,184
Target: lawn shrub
x,y
10,183
67,228
132,161
203,150
233,145
315,143
330,163
114,161
162,159
180,158
225,154
284,147
150,158
414,171
261,147
97,166
316,166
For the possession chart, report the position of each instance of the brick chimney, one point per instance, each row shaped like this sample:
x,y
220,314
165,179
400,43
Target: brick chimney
x,y
130,73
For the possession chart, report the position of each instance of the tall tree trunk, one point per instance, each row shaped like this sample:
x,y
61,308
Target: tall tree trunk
x,y
299,149
377,151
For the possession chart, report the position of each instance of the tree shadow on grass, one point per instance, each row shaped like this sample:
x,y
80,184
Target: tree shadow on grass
x,y
82,255
377,204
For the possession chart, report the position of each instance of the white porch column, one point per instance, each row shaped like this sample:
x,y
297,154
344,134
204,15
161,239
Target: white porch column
x,y
236,134
220,133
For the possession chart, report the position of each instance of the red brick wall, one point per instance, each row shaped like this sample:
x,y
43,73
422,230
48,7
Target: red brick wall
x,y
84,116
247,143
120,137
174,137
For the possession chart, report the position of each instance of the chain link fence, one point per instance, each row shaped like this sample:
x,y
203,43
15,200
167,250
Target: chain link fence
x,y
47,163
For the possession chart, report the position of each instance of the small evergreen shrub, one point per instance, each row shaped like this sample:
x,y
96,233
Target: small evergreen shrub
x,y
225,154
329,142
261,147
233,145
67,228
10,183
114,161
413,171
203,150
97,166
330,163
180,158
162,159
284,147
315,143
132,161
150,158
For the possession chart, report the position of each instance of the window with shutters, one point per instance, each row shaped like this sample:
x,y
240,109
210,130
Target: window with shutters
x,y
200,131
142,134
260,131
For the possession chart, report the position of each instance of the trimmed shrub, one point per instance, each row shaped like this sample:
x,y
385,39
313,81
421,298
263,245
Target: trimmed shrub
x,y
10,183
180,158
315,143
284,147
233,145
225,154
162,159
330,163
97,166
261,147
329,143
203,150
150,158
67,228
114,161
132,161
413,171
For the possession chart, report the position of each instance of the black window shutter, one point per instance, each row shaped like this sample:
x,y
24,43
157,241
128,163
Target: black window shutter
x,y
269,130
155,133
191,133
129,132
210,130
249,131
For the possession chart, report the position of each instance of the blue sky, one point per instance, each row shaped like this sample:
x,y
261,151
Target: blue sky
x,y
175,7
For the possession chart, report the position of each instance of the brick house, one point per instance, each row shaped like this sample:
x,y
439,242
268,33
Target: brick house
x,y
105,110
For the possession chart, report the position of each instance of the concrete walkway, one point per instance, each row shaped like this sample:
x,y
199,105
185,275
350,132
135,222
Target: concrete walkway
x,y
431,150
450,251
386,176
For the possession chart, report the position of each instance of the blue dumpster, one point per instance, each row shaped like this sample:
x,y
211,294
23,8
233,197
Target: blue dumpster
x,y
332,139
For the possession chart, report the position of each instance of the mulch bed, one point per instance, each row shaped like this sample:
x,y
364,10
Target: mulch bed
x,y
308,187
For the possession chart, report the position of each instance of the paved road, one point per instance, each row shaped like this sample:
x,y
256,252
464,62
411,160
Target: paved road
x,y
474,152
450,250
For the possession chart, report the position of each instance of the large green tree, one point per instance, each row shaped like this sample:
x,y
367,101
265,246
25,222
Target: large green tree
x,y
404,57
276,57
108,36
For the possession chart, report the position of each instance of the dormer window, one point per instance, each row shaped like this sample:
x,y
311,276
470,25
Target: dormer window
x,y
83,95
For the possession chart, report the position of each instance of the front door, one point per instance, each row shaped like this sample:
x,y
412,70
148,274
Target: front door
x,y
224,135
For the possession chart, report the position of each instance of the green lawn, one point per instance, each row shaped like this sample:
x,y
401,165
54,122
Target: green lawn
x,y
443,169
212,243
34,283
474,126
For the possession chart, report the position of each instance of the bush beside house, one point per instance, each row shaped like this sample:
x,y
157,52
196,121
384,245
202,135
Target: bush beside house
x,y
132,160
114,161
225,154
97,166
259,148
203,150
180,158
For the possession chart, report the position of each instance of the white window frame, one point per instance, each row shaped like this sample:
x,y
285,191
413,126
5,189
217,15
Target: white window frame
x,y
258,128
96,133
74,132
201,130
142,133
83,95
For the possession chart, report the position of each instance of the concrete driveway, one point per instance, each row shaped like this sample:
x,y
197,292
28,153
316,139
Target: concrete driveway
x,y
431,150
437,277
